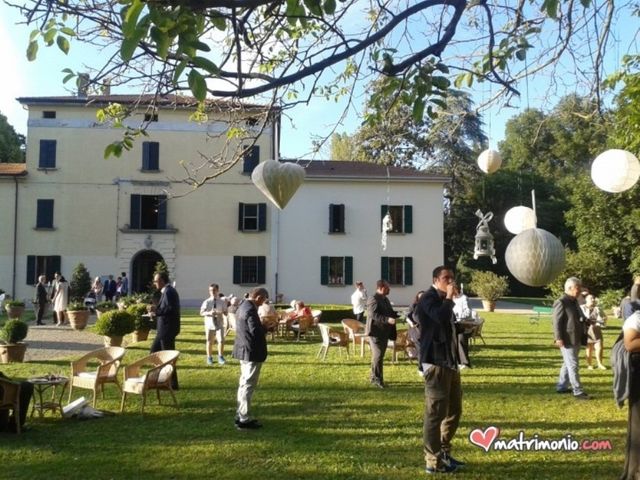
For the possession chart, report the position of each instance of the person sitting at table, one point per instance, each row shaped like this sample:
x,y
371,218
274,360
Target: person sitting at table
x,y
299,311
267,310
8,424
464,313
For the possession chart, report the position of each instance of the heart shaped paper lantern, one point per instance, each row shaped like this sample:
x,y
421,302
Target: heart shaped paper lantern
x,y
615,171
278,181
489,161
535,257
518,219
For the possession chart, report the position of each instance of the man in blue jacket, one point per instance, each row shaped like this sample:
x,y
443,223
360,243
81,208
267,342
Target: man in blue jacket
x,y
250,348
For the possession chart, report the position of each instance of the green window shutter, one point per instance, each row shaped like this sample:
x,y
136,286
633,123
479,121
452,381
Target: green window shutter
x,y
384,268
408,270
324,270
44,217
240,217
56,265
262,270
162,212
262,217
383,211
332,226
134,220
237,270
251,159
408,219
341,217
348,270
31,270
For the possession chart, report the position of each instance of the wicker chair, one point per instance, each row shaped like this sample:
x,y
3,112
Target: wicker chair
x,y
270,323
355,330
301,325
96,369
10,399
332,338
400,344
476,332
158,368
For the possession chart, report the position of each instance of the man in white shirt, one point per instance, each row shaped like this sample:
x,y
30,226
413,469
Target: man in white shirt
x,y
359,301
213,309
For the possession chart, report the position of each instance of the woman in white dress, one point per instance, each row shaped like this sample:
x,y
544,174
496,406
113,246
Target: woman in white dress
x,y
61,299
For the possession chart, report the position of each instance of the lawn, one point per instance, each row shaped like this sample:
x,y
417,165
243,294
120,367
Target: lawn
x,y
322,420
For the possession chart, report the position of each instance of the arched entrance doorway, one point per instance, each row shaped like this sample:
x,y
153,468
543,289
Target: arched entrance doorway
x,y
142,268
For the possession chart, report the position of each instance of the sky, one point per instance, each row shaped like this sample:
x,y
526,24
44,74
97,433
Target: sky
x,y
44,78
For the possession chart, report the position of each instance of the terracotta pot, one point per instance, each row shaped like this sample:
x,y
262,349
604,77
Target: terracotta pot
x,y
13,352
115,341
14,312
78,318
139,335
489,306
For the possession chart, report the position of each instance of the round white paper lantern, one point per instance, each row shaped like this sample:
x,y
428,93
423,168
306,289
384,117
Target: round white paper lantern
x,y
518,219
535,257
615,171
489,161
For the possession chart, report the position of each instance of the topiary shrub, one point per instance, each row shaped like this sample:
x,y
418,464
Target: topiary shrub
x,y
80,283
488,286
76,306
14,331
115,323
14,303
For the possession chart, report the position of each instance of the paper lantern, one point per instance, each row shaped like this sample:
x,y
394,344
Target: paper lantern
x,y
615,171
535,257
278,181
518,219
489,161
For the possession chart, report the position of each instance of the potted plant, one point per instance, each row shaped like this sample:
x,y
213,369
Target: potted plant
x,y
13,332
14,308
489,287
105,306
113,325
126,301
78,315
80,283
142,322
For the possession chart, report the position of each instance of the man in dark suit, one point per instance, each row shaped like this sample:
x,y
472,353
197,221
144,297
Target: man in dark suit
x,y
568,329
167,313
380,328
250,347
41,299
109,289
439,361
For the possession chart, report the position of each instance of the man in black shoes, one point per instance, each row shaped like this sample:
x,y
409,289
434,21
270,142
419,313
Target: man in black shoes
x,y
250,348
380,328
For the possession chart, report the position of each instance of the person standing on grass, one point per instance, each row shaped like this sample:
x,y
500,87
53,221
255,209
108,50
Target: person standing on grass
x,y
40,300
213,309
440,359
359,301
380,328
568,330
250,348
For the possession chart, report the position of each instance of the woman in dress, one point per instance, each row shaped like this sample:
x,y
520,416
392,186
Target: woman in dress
x,y
97,288
596,320
60,300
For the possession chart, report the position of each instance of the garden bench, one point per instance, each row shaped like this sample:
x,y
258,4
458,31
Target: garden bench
x,y
539,312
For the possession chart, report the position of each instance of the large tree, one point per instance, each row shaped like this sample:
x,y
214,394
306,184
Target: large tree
x,y
292,50
11,143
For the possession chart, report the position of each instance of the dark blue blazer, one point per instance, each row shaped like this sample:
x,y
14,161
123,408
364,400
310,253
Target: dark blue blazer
x,y
438,341
250,344
168,313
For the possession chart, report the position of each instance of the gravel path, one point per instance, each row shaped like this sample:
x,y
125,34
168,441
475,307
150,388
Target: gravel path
x,y
48,342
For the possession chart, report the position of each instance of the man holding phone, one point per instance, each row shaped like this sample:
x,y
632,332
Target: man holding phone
x,y
380,328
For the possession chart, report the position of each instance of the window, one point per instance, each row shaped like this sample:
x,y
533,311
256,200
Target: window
x,y
47,154
44,216
251,159
401,217
336,218
150,117
249,270
252,217
336,270
397,270
150,156
48,114
37,265
148,212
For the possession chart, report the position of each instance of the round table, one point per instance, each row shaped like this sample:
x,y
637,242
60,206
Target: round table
x,y
40,387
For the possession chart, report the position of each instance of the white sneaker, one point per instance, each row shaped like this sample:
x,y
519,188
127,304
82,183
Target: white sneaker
x,y
602,367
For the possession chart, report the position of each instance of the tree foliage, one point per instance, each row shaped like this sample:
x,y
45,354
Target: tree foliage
x,y
342,147
12,144
80,283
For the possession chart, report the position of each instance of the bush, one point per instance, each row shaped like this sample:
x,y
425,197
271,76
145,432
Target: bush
x,y
75,306
80,283
142,321
488,286
14,303
106,306
14,331
127,301
610,298
115,323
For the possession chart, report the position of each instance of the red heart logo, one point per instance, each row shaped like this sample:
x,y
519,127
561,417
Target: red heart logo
x,y
484,438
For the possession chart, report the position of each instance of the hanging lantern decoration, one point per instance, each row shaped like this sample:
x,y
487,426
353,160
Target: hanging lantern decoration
x,y
484,240
489,161
387,226
518,219
278,181
535,257
615,170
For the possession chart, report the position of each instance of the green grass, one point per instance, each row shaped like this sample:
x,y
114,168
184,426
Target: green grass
x,y
324,421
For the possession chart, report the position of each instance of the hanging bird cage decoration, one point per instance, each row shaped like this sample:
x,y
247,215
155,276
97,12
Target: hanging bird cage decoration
x,y
615,171
387,226
484,246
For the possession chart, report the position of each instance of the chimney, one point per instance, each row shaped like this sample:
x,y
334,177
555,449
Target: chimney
x,y
83,85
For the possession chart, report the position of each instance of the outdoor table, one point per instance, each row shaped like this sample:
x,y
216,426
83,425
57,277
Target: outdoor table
x,y
40,387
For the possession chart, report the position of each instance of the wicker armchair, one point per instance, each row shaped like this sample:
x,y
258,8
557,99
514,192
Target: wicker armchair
x,y
301,325
332,338
355,330
270,323
10,399
476,332
96,369
400,344
152,372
